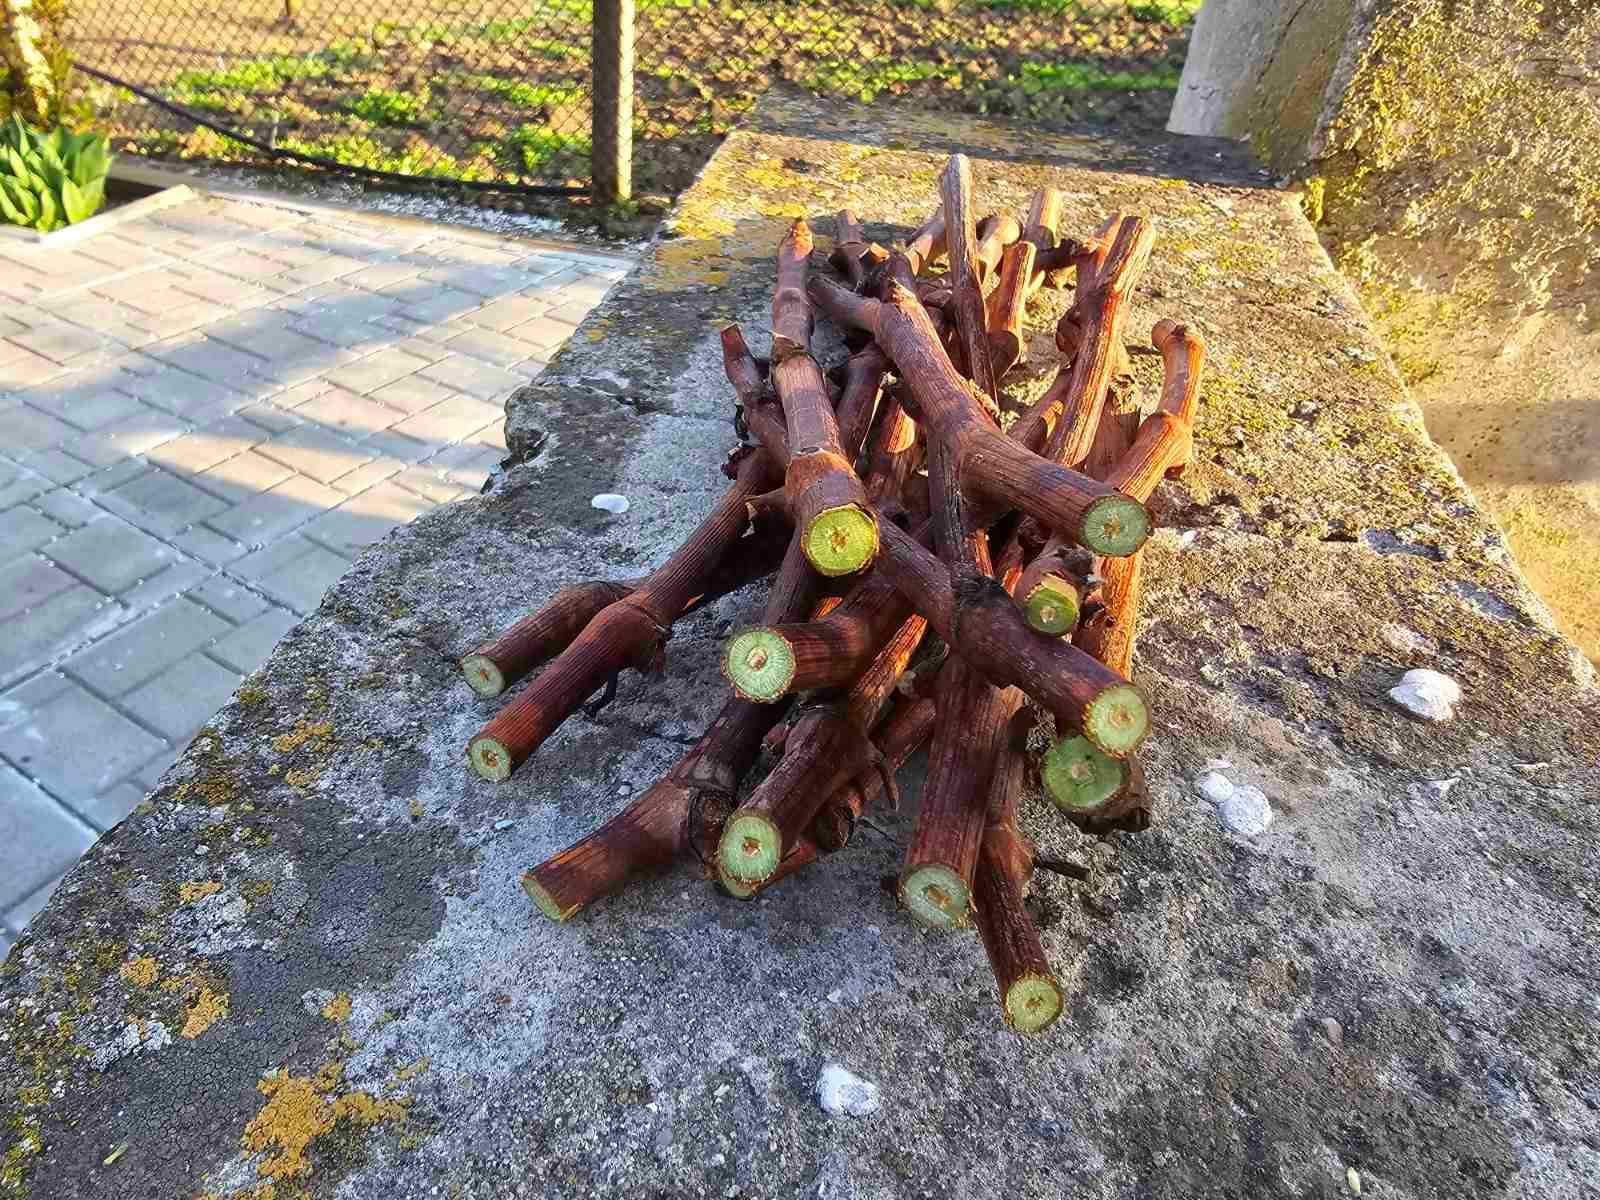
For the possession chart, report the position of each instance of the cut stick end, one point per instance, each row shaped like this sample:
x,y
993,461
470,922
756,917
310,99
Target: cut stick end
x,y
1117,720
1052,607
482,675
544,901
1079,778
935,896
1115,526
842,540
490,759
737,888
1033,1003
750,849
759,663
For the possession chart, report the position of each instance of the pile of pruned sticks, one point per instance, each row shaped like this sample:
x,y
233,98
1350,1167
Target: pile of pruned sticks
x,y
893,505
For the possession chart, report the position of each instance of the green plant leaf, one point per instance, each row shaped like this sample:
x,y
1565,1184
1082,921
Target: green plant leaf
x,y
16,165
22,199
9,208
93,162
94,194
73,205
49,213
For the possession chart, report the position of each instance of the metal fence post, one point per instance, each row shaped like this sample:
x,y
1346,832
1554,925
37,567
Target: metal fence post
x,y
611,150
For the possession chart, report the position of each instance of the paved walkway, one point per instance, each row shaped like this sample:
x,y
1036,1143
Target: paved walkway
x,y
204,415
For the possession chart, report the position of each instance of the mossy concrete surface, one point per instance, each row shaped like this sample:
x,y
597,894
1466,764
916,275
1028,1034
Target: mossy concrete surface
x,y
1397,978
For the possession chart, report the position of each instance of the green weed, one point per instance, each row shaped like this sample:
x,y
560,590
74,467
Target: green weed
x,y
1085,77
520,92
529,148
398,109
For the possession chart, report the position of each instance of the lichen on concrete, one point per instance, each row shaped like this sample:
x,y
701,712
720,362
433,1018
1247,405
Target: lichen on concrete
x,y
668,1042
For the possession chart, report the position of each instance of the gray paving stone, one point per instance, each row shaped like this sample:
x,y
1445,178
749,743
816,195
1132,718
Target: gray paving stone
x,y
27,428
492,346
270,417
34,637
5,945
109,807
59,342
162,503
272,514
17,917
356,524
199,399
89,405
509,311
22,529
206,357
203,449
316,452
66,507
437,304
76,746
123,439
209,546
26,582
350,414
301,585
17,703
55,465
229,599
413,394
244,475
149,776
182,698
145,648
159,588
247,647
258,564
369,374
547,331
110,554
450,421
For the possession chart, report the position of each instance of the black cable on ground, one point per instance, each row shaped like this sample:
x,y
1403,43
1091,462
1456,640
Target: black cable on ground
x,y
316,160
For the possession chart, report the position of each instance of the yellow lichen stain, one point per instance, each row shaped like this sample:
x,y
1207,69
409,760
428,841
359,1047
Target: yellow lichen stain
x,y
303,777
198,890
208,1008
303,732
412,1071
338,1009
141,971
300,1109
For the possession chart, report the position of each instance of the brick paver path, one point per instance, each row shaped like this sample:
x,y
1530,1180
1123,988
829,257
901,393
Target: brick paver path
x,y
204,415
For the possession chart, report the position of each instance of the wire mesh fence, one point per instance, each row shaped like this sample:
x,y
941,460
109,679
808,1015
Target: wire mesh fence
x,y
501,91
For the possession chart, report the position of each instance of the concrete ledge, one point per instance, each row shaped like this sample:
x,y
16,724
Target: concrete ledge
x,y
71,235
306,959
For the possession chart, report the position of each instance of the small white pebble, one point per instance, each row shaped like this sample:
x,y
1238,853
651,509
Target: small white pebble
x,y
1218,764
506,824
1353,1178
1214,786
843,1094
1246,812
1441,787
1427,694
610,502
202,851
835,996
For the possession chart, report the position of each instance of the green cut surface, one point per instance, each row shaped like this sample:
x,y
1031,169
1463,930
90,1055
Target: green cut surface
x,y
1115,526
489,759
1033,1003
935,896
1052,607
1117,720
750,848
759,663
842,540
1079,778
482,675
542,899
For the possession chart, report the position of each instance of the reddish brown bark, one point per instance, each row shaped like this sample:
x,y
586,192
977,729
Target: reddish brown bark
x,y
927,243
966,288
902,734
995,234
1007,308
826,500
627,633
987,462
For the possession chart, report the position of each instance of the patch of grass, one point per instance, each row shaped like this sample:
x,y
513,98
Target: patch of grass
x,y
531,148
865,81
359,150
520,92
1169,12
401,110
1085,77
255,76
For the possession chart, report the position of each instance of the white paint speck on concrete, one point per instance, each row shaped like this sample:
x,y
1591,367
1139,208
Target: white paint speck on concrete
x,y
1246,811
610,502
845,1094
1427,694
1214,786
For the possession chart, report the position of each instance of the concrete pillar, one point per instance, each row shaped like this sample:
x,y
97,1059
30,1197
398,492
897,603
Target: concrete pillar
x,y
1271,72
